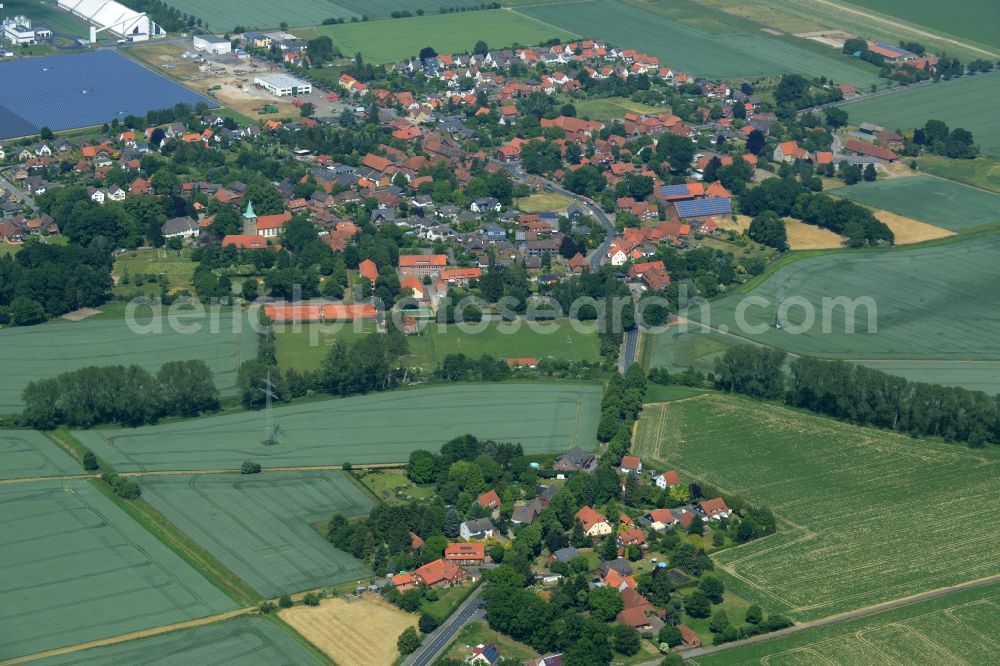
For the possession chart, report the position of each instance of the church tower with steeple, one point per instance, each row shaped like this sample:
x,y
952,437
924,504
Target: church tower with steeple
x,y
250,220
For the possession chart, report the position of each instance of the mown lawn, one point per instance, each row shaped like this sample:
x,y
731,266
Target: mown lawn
x,y
610,108
176,265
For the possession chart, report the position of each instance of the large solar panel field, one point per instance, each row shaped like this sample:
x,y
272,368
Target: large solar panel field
x,y
79,90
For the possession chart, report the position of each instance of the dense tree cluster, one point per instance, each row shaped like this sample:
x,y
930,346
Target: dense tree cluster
x,y
795,91
620,407
789,197
369,363
769,229
935,137
129,396
44,280
861,395
166,16
121,486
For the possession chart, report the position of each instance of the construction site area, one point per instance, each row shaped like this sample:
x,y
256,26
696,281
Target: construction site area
x,y
229,79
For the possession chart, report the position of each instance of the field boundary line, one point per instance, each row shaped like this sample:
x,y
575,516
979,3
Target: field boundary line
x,y
546,23
847,616
133,635
898,24
183,472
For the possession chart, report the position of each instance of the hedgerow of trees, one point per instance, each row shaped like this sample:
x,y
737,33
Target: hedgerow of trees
x,y
129,396
861,395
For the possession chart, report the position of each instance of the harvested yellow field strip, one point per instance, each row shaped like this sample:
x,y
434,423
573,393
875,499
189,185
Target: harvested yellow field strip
x,y
802,236
909,231
343,629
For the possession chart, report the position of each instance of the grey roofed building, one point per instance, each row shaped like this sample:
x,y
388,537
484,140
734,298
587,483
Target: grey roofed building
x,y
179,227
525,515
564,555
621,565
573,460
480,528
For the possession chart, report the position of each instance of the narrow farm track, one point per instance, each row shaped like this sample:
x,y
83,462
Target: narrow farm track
x,y
144,633
898,25
183,472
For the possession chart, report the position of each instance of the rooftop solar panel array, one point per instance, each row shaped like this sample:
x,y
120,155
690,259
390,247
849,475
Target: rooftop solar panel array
x,y
702,207
79,90
674,190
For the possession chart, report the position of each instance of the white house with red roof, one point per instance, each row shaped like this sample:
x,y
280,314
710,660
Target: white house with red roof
x,y
715,509
630,465
667,479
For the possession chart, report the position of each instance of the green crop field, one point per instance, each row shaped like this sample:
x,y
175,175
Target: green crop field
x,y
679,350
974,375
377,428
931,302
395,40
942,203
957,628
260,526
688,49
982,172
242,641
305,349
224,15
77,568
26,453
976,20
36,352
62,23
865,515
965,102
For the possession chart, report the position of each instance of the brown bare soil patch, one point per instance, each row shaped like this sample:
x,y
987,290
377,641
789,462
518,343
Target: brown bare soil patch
x,y
346,630
81,314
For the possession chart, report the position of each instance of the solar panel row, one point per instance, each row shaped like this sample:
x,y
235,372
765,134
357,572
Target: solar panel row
x,y
79,90
701,207
673,190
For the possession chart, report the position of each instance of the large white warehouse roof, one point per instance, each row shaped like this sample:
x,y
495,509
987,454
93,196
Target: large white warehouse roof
x,y
120,19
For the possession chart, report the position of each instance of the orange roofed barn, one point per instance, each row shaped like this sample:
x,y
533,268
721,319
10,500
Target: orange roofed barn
x,y
422,264
319,312
440,573
465,553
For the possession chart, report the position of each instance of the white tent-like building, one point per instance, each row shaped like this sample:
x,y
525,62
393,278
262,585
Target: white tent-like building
x,y
116,18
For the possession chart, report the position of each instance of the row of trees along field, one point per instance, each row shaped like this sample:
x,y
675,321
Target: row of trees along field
x,y
863,396
130,396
